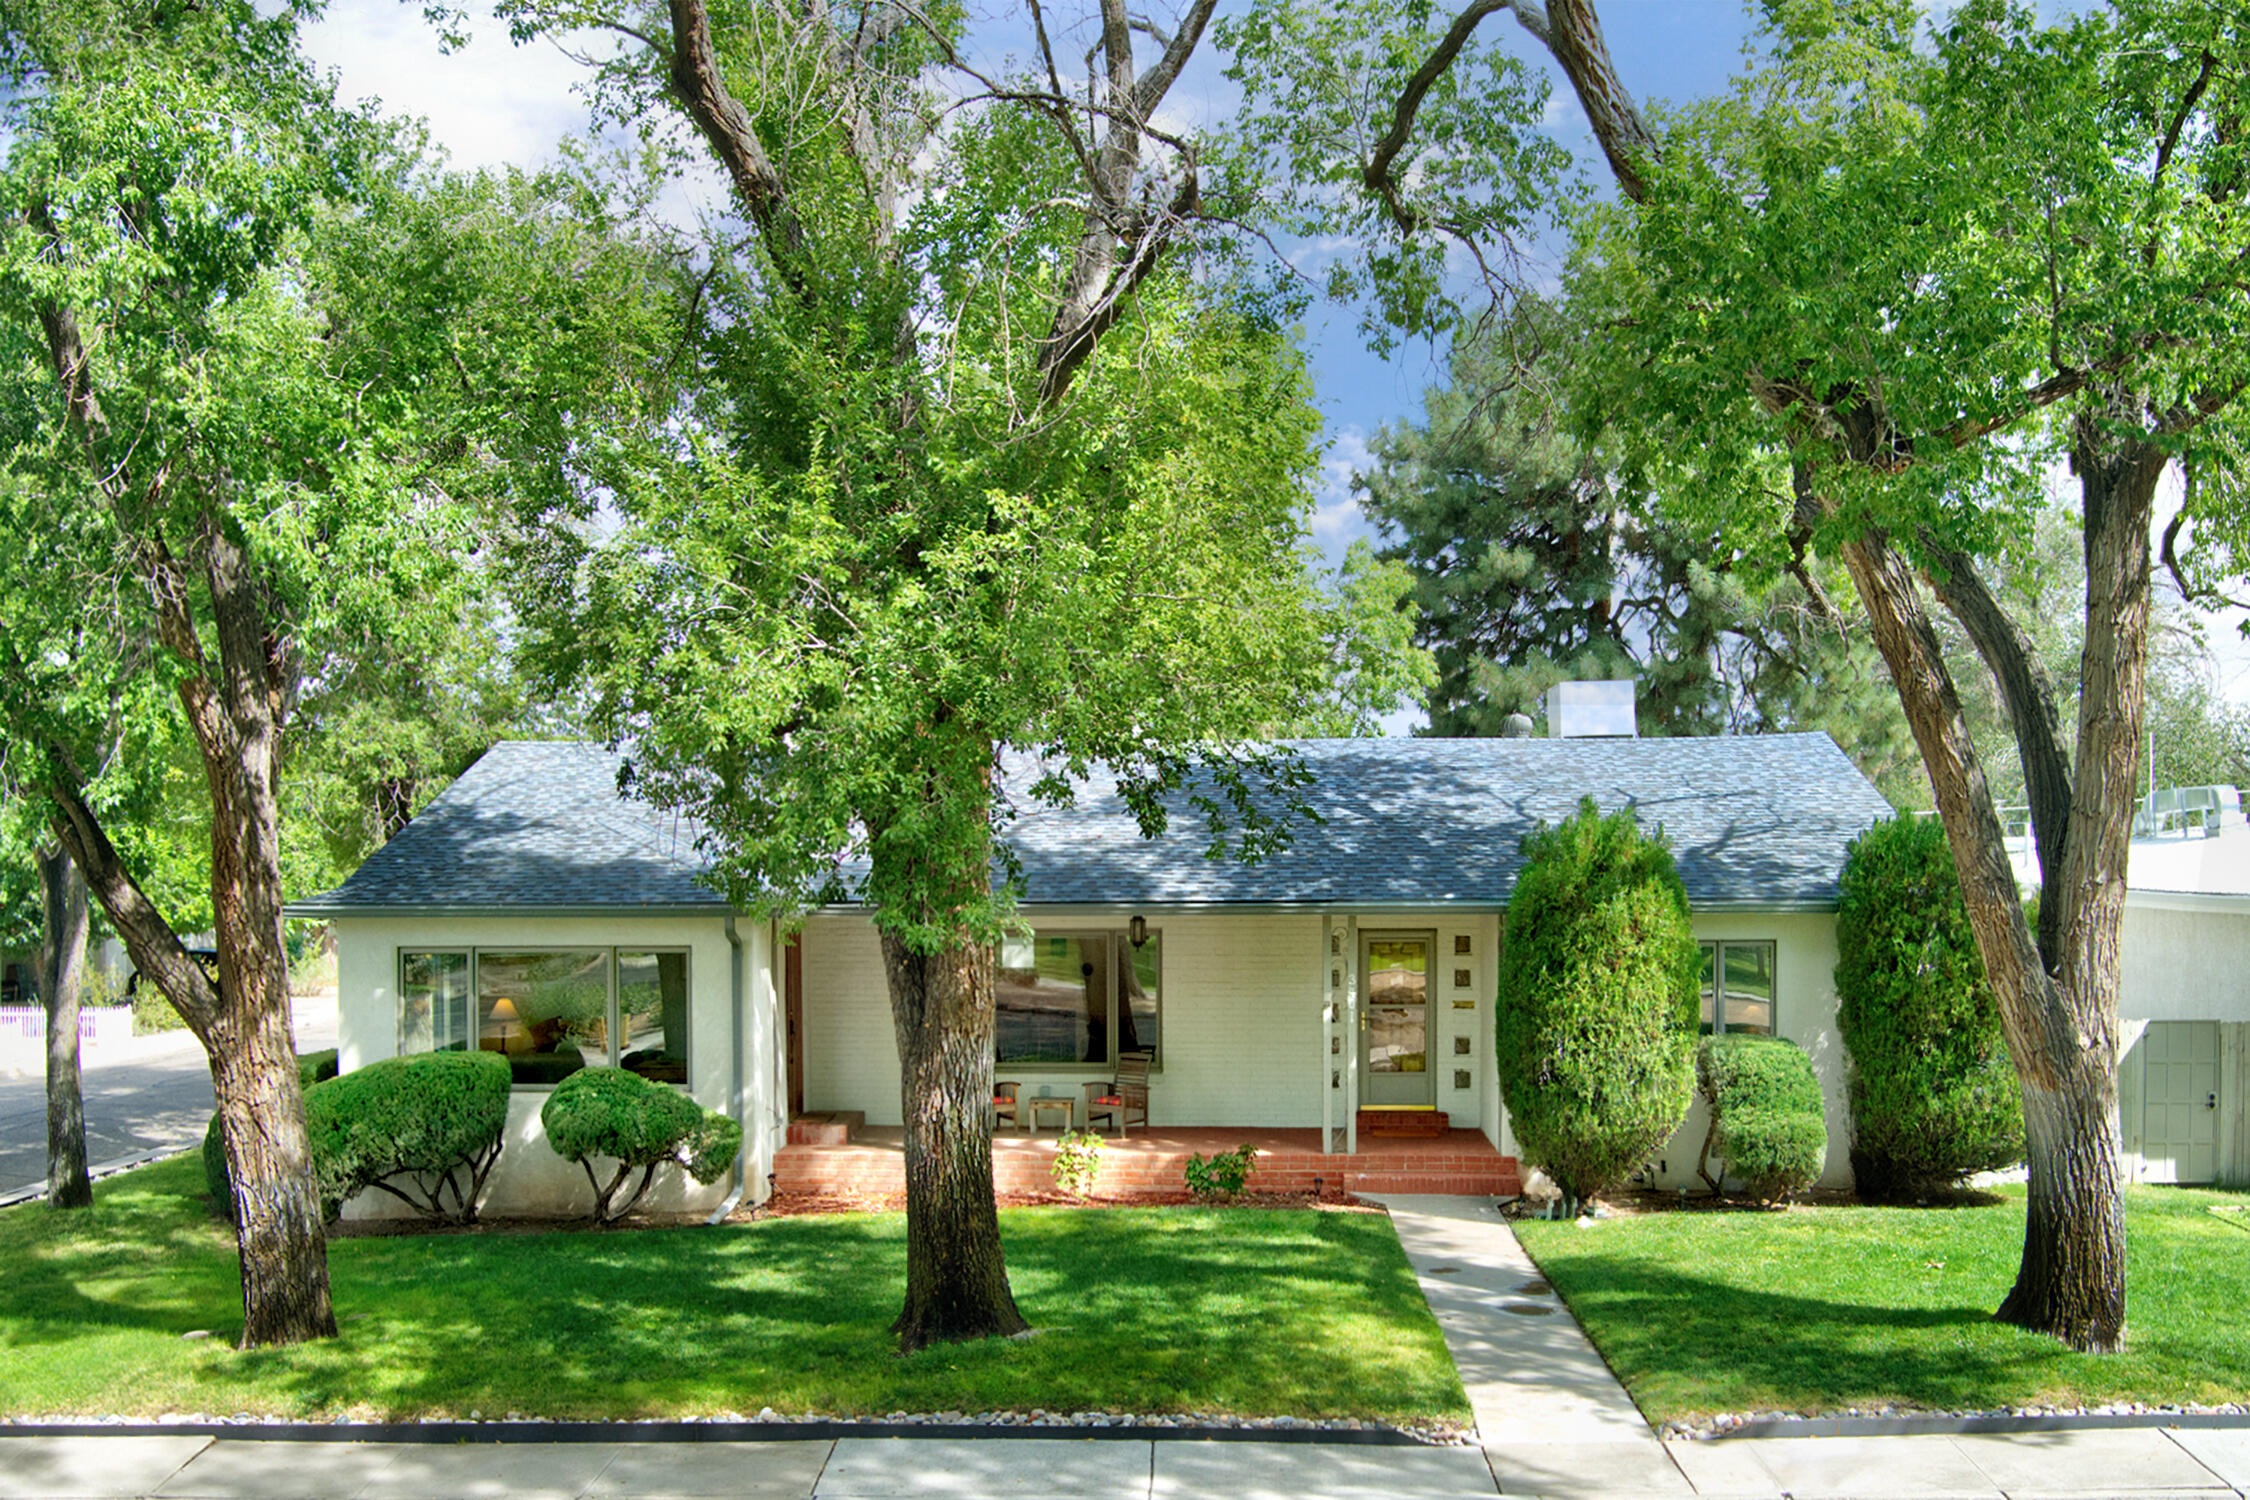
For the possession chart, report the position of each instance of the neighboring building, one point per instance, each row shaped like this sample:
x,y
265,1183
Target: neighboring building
x,y
2183,994
1343,986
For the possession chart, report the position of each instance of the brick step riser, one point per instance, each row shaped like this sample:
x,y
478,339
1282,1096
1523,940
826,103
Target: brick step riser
x,y
1155,1176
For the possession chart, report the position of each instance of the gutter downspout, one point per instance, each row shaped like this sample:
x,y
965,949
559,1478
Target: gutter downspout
x,y
741,1157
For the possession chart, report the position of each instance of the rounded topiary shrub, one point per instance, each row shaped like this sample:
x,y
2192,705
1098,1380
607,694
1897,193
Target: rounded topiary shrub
x,y
218,1180
1595,1025
1933,1092
425,1129
1766,1121
640,1125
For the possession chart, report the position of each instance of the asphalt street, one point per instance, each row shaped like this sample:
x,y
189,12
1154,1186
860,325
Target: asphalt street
x,y
153,1093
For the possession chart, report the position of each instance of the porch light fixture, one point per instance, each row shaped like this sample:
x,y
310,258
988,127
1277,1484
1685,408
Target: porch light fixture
x,y
1137,931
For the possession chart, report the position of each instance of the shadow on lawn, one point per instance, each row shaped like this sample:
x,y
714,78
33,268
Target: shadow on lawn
x,y
1685,1343
1155,1314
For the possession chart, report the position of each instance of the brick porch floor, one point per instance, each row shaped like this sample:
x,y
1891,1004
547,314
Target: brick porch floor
x,y
1151,1162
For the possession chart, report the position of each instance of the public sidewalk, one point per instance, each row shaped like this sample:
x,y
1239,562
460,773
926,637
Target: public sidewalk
x,y
2146,1462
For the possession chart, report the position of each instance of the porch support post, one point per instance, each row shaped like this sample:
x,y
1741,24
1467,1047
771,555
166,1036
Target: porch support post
x,y
1328,1059
1351,1035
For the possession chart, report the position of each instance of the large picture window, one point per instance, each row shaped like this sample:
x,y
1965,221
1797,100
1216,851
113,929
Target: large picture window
x,y
1070,999
1738,988
552,1011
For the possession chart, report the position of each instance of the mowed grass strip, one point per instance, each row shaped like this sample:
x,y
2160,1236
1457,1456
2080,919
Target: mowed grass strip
x,y
1822,1309
1256,1313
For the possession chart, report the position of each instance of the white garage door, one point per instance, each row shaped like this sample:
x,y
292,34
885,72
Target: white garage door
x,y
2179,1101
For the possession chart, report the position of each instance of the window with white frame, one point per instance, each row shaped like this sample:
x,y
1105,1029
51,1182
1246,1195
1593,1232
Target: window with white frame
x,y
1072,999
1738,988
549,1011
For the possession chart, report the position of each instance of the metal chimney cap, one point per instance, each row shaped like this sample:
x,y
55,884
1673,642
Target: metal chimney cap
x,y
1516,726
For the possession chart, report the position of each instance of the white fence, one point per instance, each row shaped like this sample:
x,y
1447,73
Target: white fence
x,y
23,1031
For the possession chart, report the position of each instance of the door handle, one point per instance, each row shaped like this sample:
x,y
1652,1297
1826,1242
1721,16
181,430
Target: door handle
x,y
2211,1101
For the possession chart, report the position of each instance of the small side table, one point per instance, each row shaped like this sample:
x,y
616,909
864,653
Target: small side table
x,y
1038,1106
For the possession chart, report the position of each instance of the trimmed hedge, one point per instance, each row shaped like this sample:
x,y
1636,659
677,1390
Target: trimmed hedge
x,y
312,1068
639,1124
1933,1092
422,1128
1595,1025
1766,1120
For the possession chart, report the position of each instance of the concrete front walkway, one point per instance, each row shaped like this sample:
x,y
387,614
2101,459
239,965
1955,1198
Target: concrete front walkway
x,y
1552,1418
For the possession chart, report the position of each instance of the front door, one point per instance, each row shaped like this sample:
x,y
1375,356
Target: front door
x,y
1394,1030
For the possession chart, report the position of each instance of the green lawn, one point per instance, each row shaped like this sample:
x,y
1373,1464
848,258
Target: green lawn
x,y
1155,1310
1821,1309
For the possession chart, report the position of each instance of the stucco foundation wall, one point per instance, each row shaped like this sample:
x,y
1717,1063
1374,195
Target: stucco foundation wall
x,y
2177,963
1805,999
530,1180
1242,1018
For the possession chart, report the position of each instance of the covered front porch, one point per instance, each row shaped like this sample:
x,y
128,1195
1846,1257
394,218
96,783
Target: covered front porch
x,y
869,1161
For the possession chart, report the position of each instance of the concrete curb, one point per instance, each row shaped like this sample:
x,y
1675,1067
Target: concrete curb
x,y
1820,1427
695,1432
96,1173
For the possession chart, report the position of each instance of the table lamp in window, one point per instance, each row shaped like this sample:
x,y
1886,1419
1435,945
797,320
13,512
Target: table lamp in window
x,y
510,1022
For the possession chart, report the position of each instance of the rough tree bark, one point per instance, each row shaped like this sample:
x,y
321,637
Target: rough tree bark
x,y
62,965
956,1275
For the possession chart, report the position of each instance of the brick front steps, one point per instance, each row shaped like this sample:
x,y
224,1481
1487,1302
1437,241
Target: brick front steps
x,y
1403,1123
1152,1164
833,1129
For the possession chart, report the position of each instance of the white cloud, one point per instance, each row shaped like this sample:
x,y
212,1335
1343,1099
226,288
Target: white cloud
x,y
488,104
1337,521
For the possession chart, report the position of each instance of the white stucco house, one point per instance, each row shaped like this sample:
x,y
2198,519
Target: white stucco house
x,y
1317,1002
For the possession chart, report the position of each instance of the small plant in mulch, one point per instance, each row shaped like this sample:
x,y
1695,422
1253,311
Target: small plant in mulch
x,y
1224,1175
1078,1161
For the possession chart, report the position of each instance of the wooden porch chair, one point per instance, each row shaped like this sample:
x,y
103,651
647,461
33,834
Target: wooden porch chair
x,y
1125,1096
1005,1105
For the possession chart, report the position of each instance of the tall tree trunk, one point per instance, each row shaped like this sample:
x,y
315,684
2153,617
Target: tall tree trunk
x,y
62,964
2072,1281
2074,1245
956,1276
237,720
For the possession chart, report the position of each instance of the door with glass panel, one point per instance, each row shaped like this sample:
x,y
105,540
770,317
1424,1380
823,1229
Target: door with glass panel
x,y
1394,1020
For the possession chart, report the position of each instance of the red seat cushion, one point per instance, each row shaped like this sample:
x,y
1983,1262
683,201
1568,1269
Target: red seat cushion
x,y
1002,1099
1109,1099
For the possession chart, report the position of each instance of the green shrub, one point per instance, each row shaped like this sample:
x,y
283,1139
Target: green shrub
x,y
312,1068
1933,1093
153,1013
1078,1161
425,1129
1224,1175
1766,1119
639,1124
1595,1025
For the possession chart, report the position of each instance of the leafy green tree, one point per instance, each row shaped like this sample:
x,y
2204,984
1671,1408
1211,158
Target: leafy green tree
x,y
1933,1093
1900,267
978,458
245,407
1595,1025
1538,558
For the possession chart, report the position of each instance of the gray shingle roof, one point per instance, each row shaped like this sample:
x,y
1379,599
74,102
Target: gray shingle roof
x,y
532,824
1754,821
